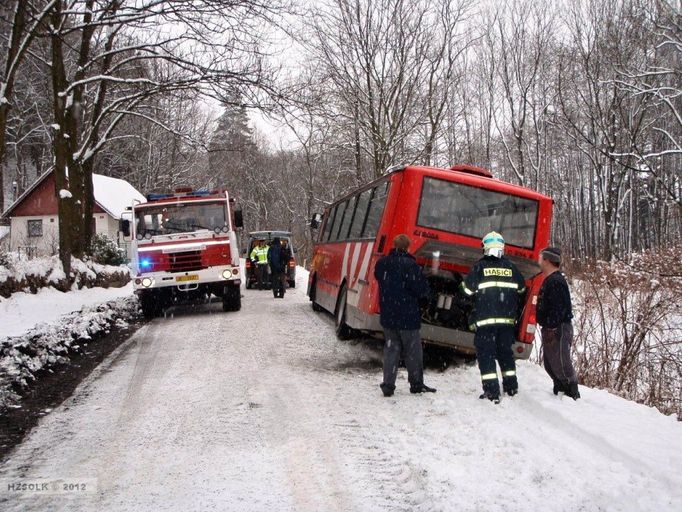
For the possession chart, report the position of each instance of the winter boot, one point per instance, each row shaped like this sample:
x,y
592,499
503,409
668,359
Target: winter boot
x,y
386,389
422,388
490,396
573,391
559,387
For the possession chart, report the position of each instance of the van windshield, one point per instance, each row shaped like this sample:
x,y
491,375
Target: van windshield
x,y
473,211
179,218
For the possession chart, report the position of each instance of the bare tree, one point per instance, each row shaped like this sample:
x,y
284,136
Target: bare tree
x,y
102,55
27,19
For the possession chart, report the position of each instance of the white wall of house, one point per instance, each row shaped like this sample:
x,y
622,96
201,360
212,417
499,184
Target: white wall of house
x,y
47,243
43,240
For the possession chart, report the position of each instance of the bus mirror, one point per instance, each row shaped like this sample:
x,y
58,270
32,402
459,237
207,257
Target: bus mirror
x,y
124,227
316,220
238,219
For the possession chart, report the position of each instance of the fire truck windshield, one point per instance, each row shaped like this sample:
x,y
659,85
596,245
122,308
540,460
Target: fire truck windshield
x,y
473,211
179,218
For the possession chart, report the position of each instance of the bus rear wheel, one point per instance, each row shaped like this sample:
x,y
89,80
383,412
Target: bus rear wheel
x,y
343,330
313,297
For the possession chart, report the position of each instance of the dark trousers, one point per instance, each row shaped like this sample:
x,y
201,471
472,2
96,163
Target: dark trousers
x,y
556,353
409,345
261,275
494,342
277,283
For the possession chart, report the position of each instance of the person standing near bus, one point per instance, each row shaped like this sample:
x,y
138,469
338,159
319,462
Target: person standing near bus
x,y
259,257
554,314
278,258
402,287
496,286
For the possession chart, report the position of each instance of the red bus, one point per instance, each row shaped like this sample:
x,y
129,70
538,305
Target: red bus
x,y
445,212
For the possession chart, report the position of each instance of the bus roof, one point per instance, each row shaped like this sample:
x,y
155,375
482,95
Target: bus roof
x,y
477,180
466,174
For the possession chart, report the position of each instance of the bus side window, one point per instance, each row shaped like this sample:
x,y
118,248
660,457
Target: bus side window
x,y
347,218
375,211
360,215
328,225
340,210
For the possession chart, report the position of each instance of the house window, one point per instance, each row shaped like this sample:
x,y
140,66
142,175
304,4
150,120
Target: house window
x,y
35,228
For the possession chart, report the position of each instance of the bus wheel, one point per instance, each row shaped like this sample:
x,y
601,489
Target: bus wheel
x,y
343,330
313,296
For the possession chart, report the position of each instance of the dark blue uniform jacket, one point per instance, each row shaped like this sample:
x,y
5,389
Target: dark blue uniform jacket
x,y
497,287
278,257
554,301
401,286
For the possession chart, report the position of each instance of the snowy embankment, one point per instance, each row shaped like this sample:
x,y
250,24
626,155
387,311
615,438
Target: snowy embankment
x,y
38,331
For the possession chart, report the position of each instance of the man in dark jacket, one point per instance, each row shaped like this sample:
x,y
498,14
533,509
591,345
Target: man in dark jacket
x,y
554,314
497,287
402,287
277,259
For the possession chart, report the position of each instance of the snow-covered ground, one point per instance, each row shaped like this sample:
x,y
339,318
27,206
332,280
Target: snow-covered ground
x,y
23,312
42,330
264,410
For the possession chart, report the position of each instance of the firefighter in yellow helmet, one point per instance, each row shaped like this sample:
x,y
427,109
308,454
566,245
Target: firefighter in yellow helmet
x,y
497,288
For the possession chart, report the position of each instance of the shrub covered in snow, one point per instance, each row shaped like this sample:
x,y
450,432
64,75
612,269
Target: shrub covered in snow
x,y
628,325
104,251
21,274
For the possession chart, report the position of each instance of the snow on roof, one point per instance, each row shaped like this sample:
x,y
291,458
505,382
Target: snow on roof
x,y
114,195
4,231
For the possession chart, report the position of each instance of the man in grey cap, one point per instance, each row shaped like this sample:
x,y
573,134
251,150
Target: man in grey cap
x,y
554,314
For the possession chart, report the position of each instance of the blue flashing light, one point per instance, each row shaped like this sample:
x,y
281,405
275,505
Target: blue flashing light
x,y
200,193
156,197
145,263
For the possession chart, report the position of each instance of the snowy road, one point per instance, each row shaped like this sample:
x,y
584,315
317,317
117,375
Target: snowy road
x,y
264,410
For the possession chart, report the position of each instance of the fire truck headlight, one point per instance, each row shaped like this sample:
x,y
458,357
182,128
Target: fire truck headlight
x,y
139,236
227,274
217,230
147,282
225,229
148,235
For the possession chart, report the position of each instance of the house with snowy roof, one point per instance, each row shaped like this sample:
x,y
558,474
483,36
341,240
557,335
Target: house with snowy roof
x,y
34,215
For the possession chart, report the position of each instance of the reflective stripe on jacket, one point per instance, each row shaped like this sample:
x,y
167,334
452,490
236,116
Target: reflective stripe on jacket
x,y
497,287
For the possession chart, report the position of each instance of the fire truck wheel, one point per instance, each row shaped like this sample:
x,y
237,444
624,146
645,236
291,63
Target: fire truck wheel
x,y
343,330
232,300
150,306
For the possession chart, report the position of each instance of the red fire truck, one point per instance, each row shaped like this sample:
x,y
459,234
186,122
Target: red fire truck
x,y
184,249
445,212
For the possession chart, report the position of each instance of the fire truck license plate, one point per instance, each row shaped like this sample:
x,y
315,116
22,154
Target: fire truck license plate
x,y
191,277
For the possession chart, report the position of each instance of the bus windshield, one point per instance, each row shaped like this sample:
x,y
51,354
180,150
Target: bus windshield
x,y
473,211
179,218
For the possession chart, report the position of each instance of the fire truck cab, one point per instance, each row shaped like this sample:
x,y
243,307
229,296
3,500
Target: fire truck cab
x,y
184,249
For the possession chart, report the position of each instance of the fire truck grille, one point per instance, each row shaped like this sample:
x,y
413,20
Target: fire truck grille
x,y
185,261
